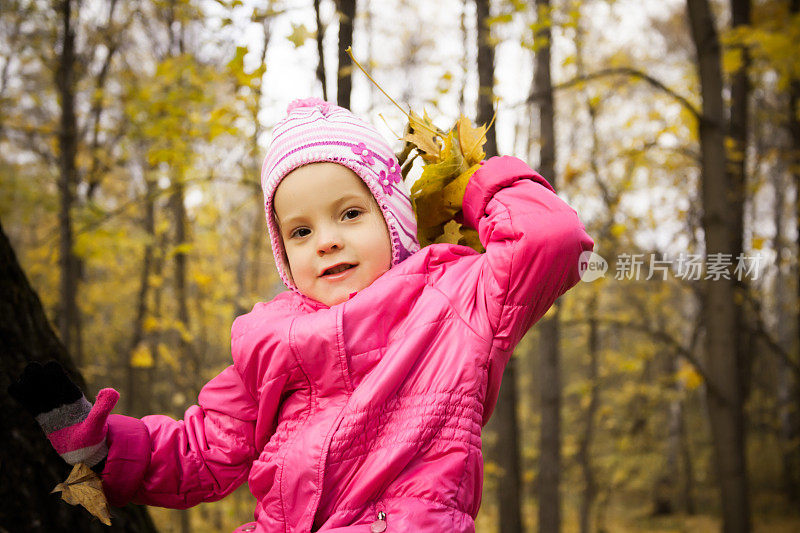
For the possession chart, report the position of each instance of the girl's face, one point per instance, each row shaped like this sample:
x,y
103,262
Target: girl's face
x,y
334,234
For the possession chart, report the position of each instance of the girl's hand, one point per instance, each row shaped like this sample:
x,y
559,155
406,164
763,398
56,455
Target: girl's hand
x,y
76,428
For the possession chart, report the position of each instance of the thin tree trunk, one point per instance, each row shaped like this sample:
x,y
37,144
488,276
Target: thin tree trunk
x,y
181,296
790,420
369,32
464,56
254,235
184,520
725,398
95,168
485,74
584,446
155,337
320,52
344,75
68,174
550,366
787,383
665,495
113,40
589,494
30,465
135,397
687,488
509,488
737,169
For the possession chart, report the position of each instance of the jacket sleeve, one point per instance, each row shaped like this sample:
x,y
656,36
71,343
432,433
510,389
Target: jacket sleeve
x,y
533,242
179,463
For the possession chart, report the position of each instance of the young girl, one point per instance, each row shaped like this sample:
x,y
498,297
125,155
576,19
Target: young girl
x,y
356,399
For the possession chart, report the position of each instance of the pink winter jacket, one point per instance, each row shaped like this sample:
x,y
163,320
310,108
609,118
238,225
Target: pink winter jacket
x,y
374,405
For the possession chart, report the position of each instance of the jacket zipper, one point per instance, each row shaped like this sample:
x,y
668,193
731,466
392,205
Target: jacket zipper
x,y
379,525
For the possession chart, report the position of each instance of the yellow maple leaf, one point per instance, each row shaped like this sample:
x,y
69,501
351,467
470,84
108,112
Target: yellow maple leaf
x,y
436,175
450,233
83,487
141,357
453,192
423,135
471,140
299,35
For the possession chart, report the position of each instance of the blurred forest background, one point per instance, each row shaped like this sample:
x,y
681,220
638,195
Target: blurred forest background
x,y
651,399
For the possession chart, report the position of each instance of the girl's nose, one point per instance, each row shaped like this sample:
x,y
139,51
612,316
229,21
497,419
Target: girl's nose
x,y
328,241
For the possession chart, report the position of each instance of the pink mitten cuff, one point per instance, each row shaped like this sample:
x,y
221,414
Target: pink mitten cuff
x,y
78,430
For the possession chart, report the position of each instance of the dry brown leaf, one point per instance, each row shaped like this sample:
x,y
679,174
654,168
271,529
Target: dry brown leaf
x,y
84,487
423,134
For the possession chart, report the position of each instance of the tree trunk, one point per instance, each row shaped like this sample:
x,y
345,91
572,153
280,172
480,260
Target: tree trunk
x,y
786,379
68,148
585,443
589,494
137,398
252,235
790,419
30,466
550,366
181,297
725,398
737,169
675,486
320,52
485,74
464,57
156,402
344,76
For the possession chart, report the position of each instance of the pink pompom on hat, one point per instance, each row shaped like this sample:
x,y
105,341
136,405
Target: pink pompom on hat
x,y
314,131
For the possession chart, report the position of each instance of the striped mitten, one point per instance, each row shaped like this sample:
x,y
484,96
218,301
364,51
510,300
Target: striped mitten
x,y
76,428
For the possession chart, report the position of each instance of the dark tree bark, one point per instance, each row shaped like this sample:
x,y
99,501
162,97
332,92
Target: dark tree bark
x,y
139,390
485,74
787,400
790,417
464,56
590,488
550,362
344,75
585,441
68,176
30,466
320,54
253,234
179,264
737,168
725,397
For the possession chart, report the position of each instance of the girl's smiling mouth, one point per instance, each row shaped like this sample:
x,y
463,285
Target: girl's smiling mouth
x,y
338,271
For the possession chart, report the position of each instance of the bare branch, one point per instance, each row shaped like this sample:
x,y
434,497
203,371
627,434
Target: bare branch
x,y
664,337
631,73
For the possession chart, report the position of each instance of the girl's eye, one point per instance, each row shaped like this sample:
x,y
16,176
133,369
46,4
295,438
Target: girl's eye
x,y
352,213
300,232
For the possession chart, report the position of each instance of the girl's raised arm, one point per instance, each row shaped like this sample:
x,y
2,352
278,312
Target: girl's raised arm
x,y
533,242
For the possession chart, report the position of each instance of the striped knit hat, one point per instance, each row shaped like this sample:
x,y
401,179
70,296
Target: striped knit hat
x,y
315,131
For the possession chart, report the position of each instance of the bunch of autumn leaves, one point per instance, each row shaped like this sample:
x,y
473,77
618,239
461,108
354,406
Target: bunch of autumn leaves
x,y
450,157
